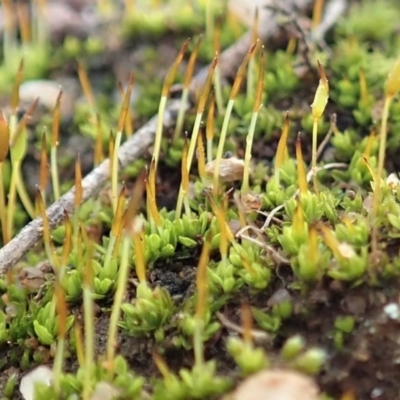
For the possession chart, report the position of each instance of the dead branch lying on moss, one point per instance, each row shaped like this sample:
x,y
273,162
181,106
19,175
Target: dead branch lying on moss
x,y
130,151
133,148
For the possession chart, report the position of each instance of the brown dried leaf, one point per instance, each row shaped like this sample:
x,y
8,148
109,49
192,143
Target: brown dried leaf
x,y
251,202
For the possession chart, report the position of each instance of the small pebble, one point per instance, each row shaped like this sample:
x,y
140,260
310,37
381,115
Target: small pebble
x,y
346,250
377,393
42,374
392,311
251,202
277,385
230,169
104,391
47,91
278,297
354,305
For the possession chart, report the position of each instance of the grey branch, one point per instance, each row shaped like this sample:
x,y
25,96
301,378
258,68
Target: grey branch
x,y
129,151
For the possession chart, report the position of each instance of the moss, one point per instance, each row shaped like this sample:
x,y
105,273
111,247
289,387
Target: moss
x,y
358,23
291,262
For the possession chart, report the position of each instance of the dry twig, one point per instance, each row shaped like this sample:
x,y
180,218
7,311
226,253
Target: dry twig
x,y
130,151
258,335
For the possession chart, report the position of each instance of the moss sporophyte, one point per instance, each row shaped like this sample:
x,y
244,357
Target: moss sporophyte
x,y
251,225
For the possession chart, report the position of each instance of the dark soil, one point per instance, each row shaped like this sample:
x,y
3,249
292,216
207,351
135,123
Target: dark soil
x,y
367,364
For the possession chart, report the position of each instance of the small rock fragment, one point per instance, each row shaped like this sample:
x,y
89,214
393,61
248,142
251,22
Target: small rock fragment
x,y
42,374
392,310
368,202
279,297
33,277
230,169
393,182
346,250
355,305
251,202
47,91
277,385
235,226
104,391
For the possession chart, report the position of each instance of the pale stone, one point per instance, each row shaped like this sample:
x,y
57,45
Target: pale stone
x,y
277,385
42,374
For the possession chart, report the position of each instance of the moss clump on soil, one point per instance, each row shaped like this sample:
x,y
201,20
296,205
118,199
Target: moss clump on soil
x,y
241,246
